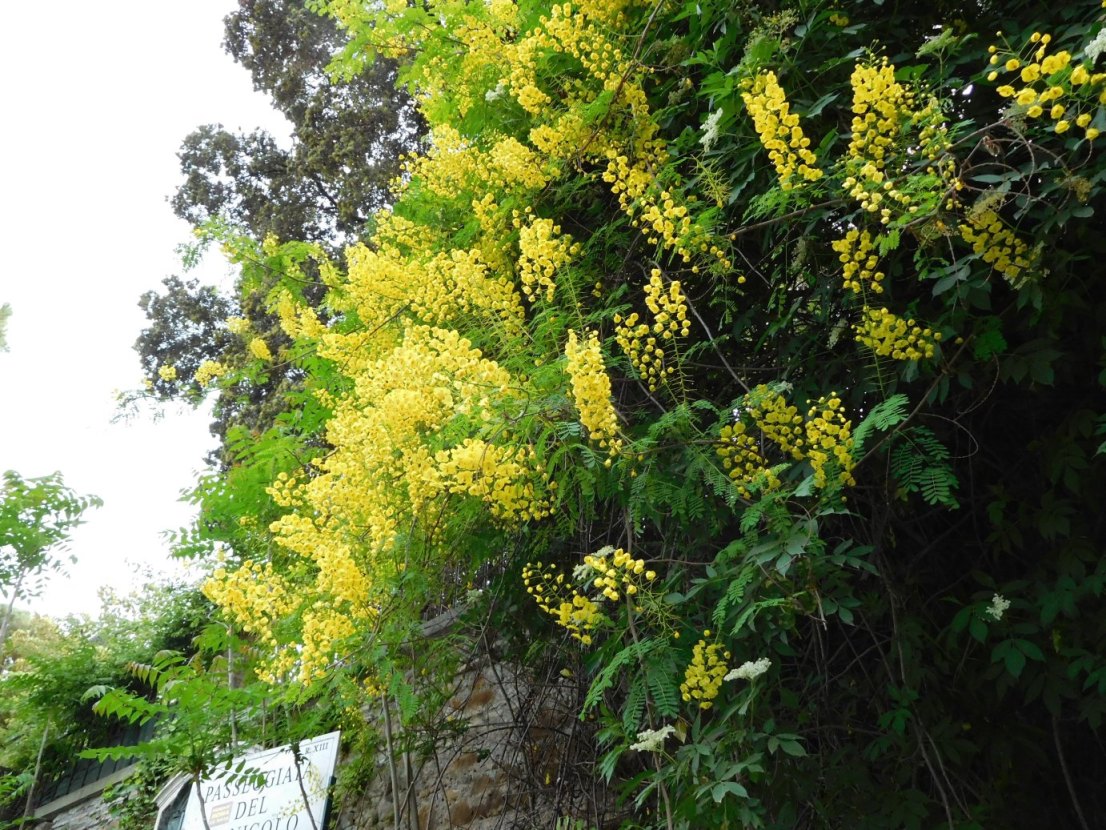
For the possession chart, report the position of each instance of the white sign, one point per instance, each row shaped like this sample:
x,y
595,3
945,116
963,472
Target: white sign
x,y
269,792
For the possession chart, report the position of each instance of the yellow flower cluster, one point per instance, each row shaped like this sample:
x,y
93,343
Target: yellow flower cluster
x,y
1045,80
656,210
455,165
858,262
343,521
591,391
669,223
829,441
254,594
297,320
880,105
998,245
208,371
703,677
788,148
669,307
644,343
543,249
441,289
885,116
496,476
617,572
778,420
567,30
167,373
238,325
888,335
823,438
739,452
260,349
460,283
323,628
569,608
646,353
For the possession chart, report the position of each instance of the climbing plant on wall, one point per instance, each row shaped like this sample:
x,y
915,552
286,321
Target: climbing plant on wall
x,y
750,361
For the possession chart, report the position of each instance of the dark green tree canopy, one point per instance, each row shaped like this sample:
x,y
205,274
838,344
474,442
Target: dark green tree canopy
x,y
186,328
346,143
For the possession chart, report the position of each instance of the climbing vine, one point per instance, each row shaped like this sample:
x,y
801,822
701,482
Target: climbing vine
x,y
751,362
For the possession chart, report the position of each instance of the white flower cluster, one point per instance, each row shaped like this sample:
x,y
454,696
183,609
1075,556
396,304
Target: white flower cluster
x,y
710,130
749,670
998,607
1097,46
651,740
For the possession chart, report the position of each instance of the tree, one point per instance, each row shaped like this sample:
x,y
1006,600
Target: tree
x,y
347,138
346,145
36,517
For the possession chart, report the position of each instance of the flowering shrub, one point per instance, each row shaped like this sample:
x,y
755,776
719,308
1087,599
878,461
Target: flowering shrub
x,y
818,371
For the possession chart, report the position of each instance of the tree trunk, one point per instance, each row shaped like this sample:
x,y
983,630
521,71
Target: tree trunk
x,y
6,623
38,769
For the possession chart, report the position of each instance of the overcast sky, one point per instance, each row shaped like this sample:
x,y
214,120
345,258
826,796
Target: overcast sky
x,y
97,98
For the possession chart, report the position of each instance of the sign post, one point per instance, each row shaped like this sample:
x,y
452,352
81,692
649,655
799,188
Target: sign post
x,y
272,792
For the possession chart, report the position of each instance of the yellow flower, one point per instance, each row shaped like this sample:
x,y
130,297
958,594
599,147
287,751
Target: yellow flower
x,y
1026,97
1080,75
1035,111
591,390
1062,126
167,373
703,677
1031,73
991,76
208,371
1092,134
1012,64
1056,112
1054,63
1083,120
260,349
766,101
1006,91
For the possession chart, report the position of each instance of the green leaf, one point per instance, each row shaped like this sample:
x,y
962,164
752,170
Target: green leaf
x,y
724,788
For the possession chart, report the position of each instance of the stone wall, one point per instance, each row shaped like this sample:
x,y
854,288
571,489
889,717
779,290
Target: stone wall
x,y
87,811
505,770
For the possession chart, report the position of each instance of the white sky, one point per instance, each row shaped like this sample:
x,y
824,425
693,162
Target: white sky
x,y
97,98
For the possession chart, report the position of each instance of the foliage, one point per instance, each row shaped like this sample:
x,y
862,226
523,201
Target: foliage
x,y
36,516
791,308
51,665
